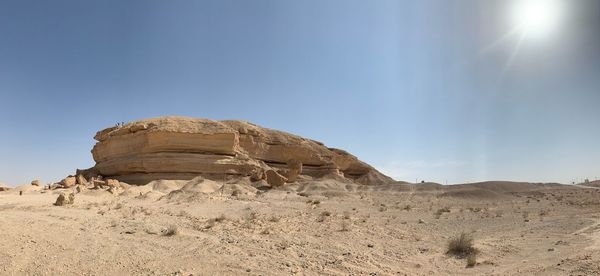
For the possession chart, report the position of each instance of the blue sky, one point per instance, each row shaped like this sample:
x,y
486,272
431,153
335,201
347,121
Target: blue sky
x,y
419,89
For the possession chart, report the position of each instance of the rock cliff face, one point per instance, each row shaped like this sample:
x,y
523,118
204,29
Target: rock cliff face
x,y
182,148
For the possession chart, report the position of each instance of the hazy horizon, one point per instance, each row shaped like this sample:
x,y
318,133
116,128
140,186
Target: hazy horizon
x,y
441,91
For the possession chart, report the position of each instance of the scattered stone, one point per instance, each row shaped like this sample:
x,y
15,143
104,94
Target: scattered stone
x,y
99,184
112,183
68,182
274,178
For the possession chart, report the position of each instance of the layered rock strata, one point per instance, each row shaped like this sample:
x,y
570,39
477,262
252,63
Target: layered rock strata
x,y
182,148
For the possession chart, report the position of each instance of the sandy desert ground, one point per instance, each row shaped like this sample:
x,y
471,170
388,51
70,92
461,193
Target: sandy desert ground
x,y
202,227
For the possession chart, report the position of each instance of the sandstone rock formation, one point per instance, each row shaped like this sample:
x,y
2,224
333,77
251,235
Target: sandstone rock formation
x,y
274,178
183,148
68,182
35,182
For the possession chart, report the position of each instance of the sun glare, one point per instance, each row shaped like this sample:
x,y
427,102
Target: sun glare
x,y
537,18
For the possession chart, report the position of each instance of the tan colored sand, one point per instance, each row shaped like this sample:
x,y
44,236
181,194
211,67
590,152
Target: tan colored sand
x,y
312,228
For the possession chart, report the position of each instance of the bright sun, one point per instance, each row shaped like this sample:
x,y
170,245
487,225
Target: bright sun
x,y
537,18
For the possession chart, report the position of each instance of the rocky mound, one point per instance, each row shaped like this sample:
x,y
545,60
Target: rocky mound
x,y
183,148
4,187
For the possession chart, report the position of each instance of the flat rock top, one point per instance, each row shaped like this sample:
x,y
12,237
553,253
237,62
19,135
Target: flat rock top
x,y
199,126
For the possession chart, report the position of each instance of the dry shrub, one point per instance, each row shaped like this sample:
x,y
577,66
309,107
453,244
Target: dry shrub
x,y
471,260
461,246
345,226
441,211
213,221
172,230
323,215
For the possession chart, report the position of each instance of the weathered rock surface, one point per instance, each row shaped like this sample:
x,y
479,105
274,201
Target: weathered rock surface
x,y
65,199
68,182
183,148
35,182
274,178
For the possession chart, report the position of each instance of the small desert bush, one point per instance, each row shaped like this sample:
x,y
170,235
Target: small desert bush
x,y
471,260
461,246
345,226
441,211
213,221
265,231
407,207
170,231
323,215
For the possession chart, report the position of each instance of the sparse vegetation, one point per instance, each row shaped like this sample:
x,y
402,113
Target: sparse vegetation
x,y
345,226
461,246
172,230
471,260
213,221
441,211
323,215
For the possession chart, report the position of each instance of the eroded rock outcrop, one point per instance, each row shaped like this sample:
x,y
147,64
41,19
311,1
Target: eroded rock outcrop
x,y
183,148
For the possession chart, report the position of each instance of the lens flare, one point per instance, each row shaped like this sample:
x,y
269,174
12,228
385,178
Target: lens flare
x,y
537,18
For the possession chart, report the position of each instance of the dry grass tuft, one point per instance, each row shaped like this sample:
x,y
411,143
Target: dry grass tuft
x,y
471,260
213,221
461,246
172,230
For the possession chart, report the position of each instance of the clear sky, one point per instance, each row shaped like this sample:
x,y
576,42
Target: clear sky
x,y
435,90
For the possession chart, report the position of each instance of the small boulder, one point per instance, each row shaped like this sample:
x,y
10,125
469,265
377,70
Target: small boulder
x,y
294,169
65,199
274,178
68,182
35,182
112,183
98,184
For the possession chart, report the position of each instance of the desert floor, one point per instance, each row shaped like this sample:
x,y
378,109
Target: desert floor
x,y
313,228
